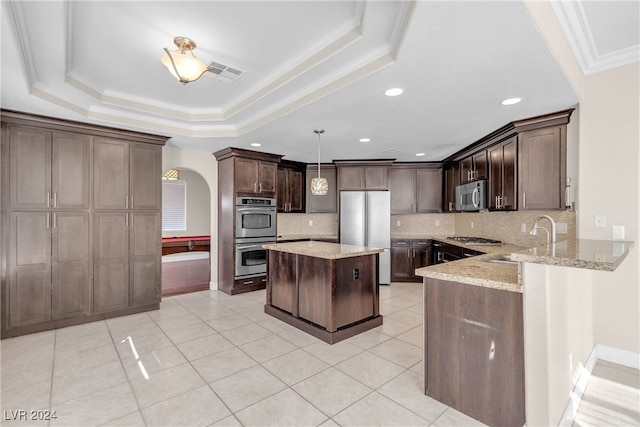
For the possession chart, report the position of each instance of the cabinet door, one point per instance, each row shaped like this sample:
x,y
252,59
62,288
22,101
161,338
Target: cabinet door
x,y
296,191
403,190
282,195
509,174
351,178
111,261
145,248
480,165
542,169
267,172
246,175
401,264
30,168
376,177
29,268
70,264
421,253
466,166
110,174
71,170
328,202
429,190
495,175
451,181
145,173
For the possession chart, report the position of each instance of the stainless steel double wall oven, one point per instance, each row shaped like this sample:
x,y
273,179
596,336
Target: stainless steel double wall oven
x,y
255,226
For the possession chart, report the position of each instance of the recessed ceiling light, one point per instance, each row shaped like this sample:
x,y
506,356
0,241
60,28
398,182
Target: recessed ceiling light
x,y
420,154
511,101
390,150
256,144
365,139
395,91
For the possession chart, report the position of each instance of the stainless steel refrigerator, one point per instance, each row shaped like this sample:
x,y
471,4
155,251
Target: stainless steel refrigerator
x,y
365,220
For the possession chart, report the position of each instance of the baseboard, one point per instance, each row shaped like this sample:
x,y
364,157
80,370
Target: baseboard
x,y
599,352
213,286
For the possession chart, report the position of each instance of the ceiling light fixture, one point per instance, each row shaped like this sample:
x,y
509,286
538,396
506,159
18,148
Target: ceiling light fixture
x,y
319,186
256,144
365,140
395,91
511,101
182,63
420,154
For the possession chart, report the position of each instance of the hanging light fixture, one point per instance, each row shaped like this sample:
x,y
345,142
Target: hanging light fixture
x,y
319,186
182,63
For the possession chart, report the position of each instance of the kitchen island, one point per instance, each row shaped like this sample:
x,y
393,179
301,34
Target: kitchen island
x,y
328,290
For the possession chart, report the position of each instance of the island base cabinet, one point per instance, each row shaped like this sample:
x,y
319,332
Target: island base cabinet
x,y
474,351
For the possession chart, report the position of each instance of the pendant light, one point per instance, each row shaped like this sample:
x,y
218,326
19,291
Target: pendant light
x,y
319,186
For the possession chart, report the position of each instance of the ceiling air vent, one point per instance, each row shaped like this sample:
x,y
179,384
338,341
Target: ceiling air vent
x,y
224,73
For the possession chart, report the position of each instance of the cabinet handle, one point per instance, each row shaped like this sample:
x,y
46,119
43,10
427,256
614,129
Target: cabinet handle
x,y
126,202
450,206
48,199
126,220
131,202
247,282
524,200
260,188
48,219
503,201
55,220
55,200
255,187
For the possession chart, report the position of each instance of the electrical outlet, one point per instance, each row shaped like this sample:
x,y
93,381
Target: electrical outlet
x,y
471,224
310,223
523,228
599,221
437,223
398,223
356,274
617,232
561,228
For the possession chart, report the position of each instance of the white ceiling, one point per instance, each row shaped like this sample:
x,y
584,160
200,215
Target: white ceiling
x,y
307,64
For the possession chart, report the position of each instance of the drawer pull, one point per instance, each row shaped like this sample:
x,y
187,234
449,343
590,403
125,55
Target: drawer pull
x,y
247,282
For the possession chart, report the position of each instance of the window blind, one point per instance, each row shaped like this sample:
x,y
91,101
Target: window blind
x,y
174,205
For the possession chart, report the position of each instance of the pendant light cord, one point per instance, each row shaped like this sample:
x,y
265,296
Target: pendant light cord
x,y
319,131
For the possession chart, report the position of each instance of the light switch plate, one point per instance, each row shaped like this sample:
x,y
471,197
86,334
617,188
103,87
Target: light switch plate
x,y
310,223
617,232
398,223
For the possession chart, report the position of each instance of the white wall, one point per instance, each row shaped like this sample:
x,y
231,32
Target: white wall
x,y
557,329
198,206
206,165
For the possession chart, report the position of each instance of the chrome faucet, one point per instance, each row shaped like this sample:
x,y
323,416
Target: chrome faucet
x,y
550,235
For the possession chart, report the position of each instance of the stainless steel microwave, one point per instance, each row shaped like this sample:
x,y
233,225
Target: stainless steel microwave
x,y
472,196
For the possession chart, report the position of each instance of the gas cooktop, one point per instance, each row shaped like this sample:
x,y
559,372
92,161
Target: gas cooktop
x,y
475,240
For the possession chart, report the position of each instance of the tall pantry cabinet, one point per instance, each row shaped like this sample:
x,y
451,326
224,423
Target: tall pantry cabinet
x,y
80,213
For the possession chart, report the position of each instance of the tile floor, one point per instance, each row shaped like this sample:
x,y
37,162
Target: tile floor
x,y
212,359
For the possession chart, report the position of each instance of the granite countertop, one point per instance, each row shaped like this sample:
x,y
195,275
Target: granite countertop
x,y
289,237
322,249
480,271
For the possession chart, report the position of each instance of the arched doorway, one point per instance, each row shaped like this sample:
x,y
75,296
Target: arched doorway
x,y
186,232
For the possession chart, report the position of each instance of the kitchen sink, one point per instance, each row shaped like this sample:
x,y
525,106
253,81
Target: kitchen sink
x,y
503,259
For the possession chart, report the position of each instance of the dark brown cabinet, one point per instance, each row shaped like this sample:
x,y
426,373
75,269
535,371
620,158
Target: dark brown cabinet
x,y
291,177
322,204
451,181
474,167
255,177
406,256
542,159
415,189
64,264
366,175
502,175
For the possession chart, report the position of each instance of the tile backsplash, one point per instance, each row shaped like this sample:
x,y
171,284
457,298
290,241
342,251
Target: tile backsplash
x,y
298,224
423,225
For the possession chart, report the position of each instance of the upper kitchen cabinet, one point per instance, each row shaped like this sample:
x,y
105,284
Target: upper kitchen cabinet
x,y
363,175
502,175
252,173
49,170
542,158
322,204
126,175
451,181
474,167
416,188
290,194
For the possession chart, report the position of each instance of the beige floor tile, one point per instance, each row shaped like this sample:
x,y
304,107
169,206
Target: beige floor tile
x,y
268,348
418,368
413,336
407,389
33,368
199,407
369,369
247,387
22,346
83,382
257,316
375,409
295,366
225,323
205,346
393,327
369,339
154,361
246,334
165,384
452,418
333,353
418,308
133,320
191,332
398,352
97,408
283,409
223,364
32,396
331,391
329,423
400,302
413,319
211,312
137,343
388,309
85,359
230,421
73,344
83,330
133,419
177,322
276,326
169,307
298,338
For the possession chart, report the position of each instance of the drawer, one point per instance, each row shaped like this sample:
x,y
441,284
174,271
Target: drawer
x,y
420,243
251,281
401,242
